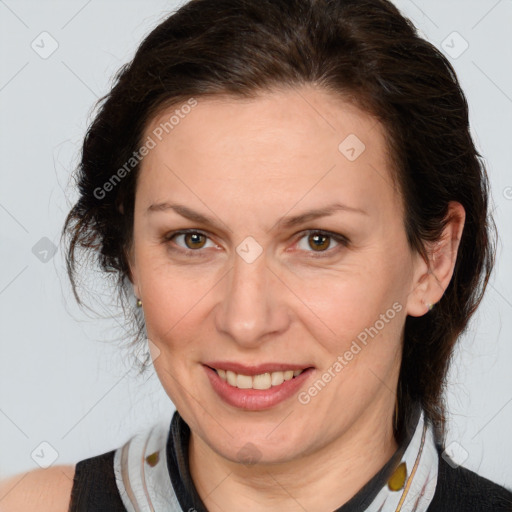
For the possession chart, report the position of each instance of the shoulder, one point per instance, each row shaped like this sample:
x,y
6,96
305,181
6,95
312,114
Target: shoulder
x,y
459,488
44,490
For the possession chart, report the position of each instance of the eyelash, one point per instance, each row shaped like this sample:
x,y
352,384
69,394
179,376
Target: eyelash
x,y
340,239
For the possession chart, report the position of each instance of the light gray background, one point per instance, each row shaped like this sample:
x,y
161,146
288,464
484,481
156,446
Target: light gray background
x,y
61,381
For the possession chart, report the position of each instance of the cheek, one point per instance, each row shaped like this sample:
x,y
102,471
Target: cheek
x,y
343,302
175,301
357,315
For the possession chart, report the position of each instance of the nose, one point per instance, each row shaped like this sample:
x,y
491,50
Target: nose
x,y
253,307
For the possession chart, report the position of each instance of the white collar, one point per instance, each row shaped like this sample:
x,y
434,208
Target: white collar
x,y
144,483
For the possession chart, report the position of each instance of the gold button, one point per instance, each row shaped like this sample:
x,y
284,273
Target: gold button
x,y
153,459
397,479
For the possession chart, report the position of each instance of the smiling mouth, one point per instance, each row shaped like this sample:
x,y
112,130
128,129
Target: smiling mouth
x,y
260,381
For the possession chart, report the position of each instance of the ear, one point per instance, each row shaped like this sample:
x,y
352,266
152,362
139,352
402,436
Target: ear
x,y
432,277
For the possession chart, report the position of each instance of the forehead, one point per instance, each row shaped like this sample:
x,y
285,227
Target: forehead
x,y
282,145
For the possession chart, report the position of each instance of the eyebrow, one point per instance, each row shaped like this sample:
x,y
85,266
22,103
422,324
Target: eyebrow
x,y
284,222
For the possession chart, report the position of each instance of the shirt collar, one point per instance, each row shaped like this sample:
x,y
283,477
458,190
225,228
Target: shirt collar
x,y
412,469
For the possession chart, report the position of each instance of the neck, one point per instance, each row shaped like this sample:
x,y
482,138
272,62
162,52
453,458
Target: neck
x,y
335,472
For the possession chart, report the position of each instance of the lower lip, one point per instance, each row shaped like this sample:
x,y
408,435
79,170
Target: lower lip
x,y
256,399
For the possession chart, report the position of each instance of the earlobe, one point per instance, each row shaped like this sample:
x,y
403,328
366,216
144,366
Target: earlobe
x,y
136,290
133,274
435,275
134,280
416,304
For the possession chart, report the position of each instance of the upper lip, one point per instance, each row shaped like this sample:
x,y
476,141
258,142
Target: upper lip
x,y
255,369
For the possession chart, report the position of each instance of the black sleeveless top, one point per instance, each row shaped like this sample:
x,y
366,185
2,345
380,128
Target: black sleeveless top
x,y
458,489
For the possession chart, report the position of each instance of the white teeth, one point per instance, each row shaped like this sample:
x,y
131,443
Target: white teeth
x,y
261,381
277,378
288,375
231,378
243,381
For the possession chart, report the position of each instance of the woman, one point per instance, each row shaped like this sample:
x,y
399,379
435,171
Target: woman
x,y
289,192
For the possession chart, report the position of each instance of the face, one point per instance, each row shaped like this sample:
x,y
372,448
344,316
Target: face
x,y
268,239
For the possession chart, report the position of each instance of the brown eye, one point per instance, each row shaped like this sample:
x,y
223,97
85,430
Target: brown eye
x,y
314,241
319,242
188,241
194,240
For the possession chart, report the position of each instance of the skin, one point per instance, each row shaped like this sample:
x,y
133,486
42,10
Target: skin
x,y
44,490
246,164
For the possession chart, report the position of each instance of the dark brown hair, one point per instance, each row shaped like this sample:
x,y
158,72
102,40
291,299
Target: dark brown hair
x,y
363,50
